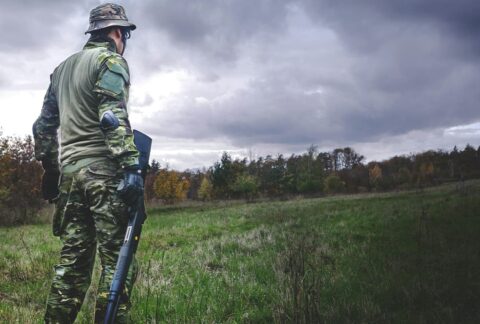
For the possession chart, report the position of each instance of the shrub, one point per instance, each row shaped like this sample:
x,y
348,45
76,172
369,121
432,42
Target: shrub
x,y
333,184
20,181
246,186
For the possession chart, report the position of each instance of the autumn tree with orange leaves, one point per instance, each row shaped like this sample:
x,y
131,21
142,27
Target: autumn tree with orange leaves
x,y
170,186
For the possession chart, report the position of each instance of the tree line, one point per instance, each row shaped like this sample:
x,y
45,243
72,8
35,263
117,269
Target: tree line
x,y
311,173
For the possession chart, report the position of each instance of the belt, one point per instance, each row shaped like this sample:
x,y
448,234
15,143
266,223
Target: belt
x,y
76,165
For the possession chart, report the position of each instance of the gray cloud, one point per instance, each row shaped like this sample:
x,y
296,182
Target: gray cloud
x,y
29,25
215,28
404,74
368,23
415,64
282,73
139,102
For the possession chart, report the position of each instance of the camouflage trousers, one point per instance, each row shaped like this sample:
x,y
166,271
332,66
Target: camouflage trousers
x,y
88,213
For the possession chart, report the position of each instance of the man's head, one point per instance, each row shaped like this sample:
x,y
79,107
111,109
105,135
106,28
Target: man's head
x,y
110,21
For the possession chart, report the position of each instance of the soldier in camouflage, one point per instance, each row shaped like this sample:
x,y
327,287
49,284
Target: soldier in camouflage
x,y
87,99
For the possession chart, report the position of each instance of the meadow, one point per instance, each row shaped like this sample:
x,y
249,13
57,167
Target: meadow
x,y
404,257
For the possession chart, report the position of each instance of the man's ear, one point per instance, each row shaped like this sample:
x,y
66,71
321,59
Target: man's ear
x,y
118,33
115,33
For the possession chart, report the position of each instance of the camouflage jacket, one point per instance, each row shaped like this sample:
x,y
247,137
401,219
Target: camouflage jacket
x,y
82,89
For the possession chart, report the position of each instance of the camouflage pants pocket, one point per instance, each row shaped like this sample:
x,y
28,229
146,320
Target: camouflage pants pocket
x,y
99,170
58,221
103,180
58,215
118,208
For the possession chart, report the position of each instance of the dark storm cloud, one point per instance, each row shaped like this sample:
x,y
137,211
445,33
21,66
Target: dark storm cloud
x,y
301,71
417,66
215,27
410,67
260,114
207,37
366,24
31,25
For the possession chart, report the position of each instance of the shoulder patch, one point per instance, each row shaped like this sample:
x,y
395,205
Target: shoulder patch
x,y
111,82
114,78
115,63
119,69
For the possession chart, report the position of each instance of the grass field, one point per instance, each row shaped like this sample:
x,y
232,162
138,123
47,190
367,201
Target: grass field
x,y
410,257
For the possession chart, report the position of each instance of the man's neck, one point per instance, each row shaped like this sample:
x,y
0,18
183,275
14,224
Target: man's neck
x,y
93,43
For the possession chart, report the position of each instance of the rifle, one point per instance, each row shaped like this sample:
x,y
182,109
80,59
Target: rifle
x,y
132,235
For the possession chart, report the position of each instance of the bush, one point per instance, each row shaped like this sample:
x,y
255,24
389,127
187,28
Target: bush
x,y
246,186
205,190
333,184
20,181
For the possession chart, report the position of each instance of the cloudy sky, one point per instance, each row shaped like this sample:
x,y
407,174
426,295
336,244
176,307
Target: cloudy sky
x,y
257,77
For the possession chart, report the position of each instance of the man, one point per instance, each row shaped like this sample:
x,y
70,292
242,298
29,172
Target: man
x,y
87,99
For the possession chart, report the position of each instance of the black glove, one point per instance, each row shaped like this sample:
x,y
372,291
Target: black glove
x,y
50,185
130,188
50,181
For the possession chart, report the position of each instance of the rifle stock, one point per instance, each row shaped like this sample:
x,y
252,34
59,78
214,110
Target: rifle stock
x,y
137,216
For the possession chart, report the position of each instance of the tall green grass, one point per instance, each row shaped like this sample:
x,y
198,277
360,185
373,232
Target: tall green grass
x,y
410,257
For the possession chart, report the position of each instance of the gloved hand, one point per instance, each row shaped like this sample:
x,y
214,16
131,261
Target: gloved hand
x,y
50,181
130,188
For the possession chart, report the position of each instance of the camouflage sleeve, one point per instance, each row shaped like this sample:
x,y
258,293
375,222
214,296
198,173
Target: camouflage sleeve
x,y
45,131
112,89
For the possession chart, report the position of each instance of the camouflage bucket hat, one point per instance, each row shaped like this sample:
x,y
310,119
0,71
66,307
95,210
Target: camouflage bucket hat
x,y
108,15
